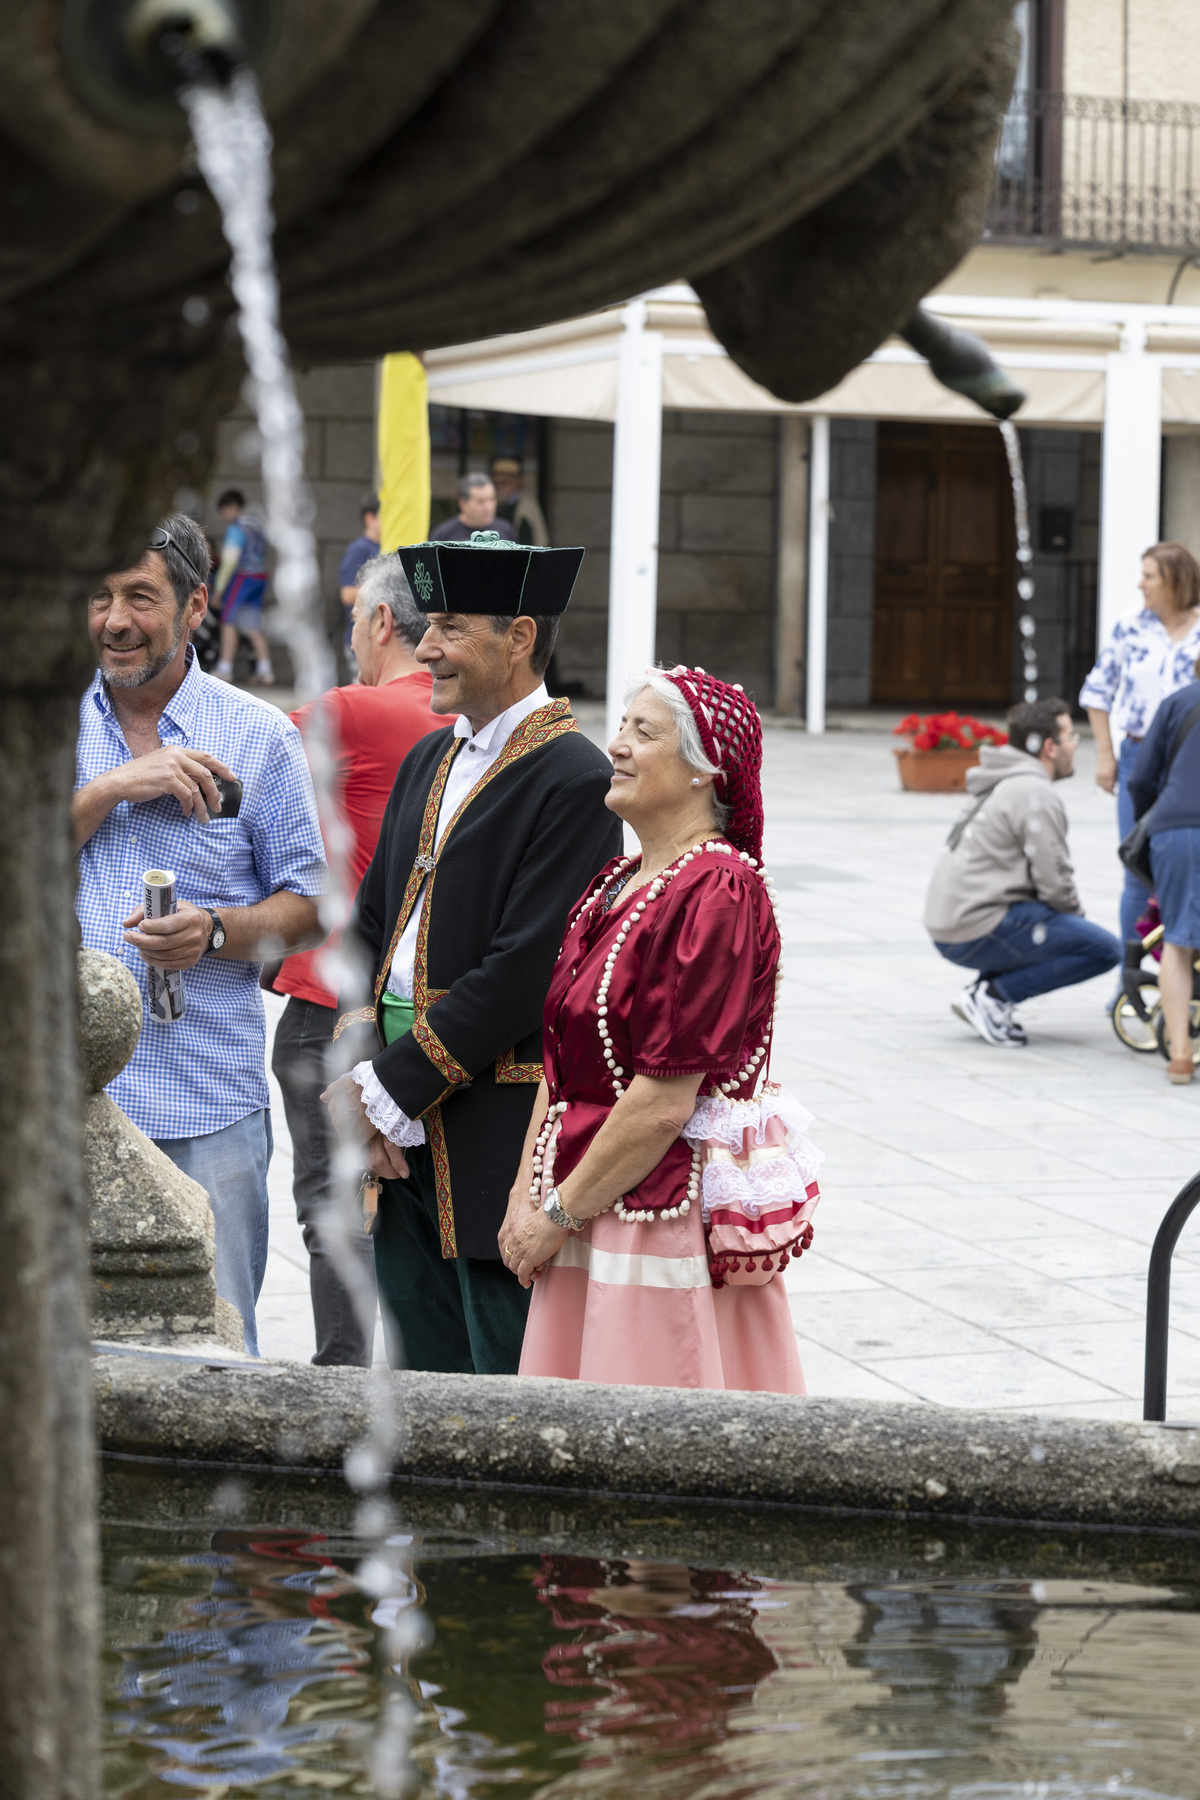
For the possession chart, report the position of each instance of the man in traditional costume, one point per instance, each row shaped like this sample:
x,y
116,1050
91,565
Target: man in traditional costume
x,y
494,827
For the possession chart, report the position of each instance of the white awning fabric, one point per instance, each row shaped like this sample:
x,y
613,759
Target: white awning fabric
x,y
569,370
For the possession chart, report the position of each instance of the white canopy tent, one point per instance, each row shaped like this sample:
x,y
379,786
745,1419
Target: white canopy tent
x,y
1131,369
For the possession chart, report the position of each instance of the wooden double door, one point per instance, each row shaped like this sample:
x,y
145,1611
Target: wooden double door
x,y
944,569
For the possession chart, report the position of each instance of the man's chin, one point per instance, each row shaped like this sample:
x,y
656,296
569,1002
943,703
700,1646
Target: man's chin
x,y
126,675
442,699
134,674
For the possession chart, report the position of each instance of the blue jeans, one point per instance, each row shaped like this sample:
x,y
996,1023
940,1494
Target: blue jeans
x,y
1034,950
1133,895
231,1166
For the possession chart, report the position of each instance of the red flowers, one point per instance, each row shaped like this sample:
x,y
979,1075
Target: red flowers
x,y
948,731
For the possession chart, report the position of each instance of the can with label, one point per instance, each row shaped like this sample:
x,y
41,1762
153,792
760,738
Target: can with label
x,y
166,985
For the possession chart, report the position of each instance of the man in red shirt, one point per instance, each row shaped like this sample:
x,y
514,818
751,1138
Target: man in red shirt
x,y
375,723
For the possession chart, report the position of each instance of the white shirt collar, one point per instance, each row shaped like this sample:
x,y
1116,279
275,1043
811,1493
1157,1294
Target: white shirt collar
x,y
497,731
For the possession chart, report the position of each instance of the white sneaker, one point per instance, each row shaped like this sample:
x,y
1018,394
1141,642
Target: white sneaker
x,y
991,1018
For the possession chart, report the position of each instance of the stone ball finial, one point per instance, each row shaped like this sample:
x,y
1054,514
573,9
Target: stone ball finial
x,y
110,1017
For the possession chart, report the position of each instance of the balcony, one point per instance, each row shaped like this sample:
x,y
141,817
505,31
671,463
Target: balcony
x,y
1081,171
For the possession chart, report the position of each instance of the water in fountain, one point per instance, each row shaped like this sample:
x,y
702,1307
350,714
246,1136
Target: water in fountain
x,y
233,148
1026,623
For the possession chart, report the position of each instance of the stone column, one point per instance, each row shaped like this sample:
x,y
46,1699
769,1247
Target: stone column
x,y
95,402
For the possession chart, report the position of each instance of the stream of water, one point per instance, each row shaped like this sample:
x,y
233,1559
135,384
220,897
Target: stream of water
x,y
233,149
1026,623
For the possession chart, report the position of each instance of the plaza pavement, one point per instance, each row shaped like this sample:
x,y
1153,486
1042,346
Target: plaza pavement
x,y
986,1213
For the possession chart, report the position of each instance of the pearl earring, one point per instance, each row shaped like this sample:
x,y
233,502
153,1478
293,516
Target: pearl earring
x,y
695,781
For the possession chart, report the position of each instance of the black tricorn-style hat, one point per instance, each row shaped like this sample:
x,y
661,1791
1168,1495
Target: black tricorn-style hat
x,y
489,574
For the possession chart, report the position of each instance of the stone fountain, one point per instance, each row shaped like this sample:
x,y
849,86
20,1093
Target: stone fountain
x,y
153,1249
445,169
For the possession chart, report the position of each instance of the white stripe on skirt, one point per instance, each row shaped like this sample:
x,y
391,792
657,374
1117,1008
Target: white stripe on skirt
x,y
618,1268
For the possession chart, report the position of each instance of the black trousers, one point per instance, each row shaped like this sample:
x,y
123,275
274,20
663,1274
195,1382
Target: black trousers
x,y
461,1315
304,1034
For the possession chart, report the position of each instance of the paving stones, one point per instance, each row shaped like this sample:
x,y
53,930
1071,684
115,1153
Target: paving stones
x,y
992,1204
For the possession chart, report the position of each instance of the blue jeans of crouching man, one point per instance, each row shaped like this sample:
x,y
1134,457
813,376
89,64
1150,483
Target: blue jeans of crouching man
x,y
1034,950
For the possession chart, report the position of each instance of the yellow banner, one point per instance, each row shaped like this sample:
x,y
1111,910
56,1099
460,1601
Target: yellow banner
x,y
403,452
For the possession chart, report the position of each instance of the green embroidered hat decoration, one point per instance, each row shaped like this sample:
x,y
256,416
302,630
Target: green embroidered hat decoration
x,y
466,577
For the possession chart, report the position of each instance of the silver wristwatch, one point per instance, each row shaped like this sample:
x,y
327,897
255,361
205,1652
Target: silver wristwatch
x,y
554,1210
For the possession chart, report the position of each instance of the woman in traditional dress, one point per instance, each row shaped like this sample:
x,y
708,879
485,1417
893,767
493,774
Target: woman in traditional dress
x,y
663,1183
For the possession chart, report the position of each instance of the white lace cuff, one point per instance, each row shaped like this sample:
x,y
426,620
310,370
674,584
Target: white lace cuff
x,y
383,1112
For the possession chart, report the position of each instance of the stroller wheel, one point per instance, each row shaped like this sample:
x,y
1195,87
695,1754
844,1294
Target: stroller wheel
x,y
1160,1032
1135,1032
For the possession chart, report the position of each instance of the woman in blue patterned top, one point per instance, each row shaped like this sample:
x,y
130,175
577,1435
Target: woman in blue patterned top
x,y
1149,655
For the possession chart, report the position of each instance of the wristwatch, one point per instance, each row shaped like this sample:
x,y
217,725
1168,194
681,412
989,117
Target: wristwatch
x,y
557,1214
216,937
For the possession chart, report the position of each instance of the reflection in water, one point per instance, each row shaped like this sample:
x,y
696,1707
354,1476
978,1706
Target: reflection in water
x,y
239,1691
250,1662
955,1652
673,1650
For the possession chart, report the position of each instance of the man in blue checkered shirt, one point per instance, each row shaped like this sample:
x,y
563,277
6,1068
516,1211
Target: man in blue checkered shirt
x,y
153,732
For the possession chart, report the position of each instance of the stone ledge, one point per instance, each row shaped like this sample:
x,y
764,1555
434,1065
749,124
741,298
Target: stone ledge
x,y
855,1455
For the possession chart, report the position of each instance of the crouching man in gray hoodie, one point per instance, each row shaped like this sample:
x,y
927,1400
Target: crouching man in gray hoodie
x,y
1002,899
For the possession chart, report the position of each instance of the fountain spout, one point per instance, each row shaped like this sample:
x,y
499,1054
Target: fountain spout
x,y
962,364
129,59
185,41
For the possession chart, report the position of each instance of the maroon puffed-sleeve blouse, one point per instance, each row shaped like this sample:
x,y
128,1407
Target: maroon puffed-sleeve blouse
x,y
692,992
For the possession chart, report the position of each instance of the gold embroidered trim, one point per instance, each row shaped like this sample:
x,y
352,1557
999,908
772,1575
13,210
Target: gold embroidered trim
x,y
437,1052
364,1015
417,874
435,1133
509,1071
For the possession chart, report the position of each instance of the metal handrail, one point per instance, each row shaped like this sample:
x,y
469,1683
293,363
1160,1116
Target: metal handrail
x,y
1158,1298
1095,171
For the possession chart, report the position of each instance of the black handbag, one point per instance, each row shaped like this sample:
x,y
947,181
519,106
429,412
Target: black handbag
x,y
1134,847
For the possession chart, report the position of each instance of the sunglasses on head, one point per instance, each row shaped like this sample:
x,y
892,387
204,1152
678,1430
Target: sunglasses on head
x,y
160,537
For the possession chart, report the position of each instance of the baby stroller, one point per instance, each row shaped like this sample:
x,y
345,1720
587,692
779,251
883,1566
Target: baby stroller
x,y
1138,1016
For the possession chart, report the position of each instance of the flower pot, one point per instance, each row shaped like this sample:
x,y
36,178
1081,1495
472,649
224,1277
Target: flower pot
x,y
935,771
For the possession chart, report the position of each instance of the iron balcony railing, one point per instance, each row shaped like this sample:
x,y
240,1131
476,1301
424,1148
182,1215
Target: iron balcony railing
x,y
1084,171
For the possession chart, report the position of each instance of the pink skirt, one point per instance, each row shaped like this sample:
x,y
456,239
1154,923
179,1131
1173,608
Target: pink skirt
x,y
633,1304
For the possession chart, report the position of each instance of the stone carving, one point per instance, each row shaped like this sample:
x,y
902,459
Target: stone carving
x,y
151,1227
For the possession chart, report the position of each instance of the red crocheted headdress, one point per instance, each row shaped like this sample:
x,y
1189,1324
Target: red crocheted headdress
x,y
731,733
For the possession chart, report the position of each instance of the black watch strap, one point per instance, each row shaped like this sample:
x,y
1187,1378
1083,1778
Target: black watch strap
x,y
213,929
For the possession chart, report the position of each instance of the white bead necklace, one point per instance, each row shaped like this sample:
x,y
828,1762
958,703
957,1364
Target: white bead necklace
x,y
656,887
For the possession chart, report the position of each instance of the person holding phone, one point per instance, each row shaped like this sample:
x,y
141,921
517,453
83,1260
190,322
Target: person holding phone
x,y
156,737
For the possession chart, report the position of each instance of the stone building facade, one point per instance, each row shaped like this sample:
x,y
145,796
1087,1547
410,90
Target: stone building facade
x,y
339,411
717,543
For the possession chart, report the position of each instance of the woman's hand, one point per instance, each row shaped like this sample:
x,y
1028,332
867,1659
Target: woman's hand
x,y
1106,771
520,1202
532,1245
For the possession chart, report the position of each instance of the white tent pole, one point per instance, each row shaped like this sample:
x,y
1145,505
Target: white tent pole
x,y
818,573
637,466
791,563
1130,473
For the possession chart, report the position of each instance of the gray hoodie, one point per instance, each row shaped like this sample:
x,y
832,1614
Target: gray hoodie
x,y
1014,848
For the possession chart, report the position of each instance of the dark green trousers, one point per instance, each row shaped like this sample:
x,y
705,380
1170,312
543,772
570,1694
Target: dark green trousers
x,y
461,1316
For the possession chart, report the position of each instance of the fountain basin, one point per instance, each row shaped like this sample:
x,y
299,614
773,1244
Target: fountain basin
x,y
581,1439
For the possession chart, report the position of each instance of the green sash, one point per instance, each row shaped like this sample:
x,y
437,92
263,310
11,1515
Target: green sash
x,y
397,1015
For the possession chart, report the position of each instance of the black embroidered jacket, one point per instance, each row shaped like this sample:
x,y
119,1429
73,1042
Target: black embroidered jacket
x,y
523,845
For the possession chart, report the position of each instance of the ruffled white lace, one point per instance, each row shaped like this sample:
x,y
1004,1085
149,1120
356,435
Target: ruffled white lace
x,y
726,1120
762,1187
764,1184
383,1112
